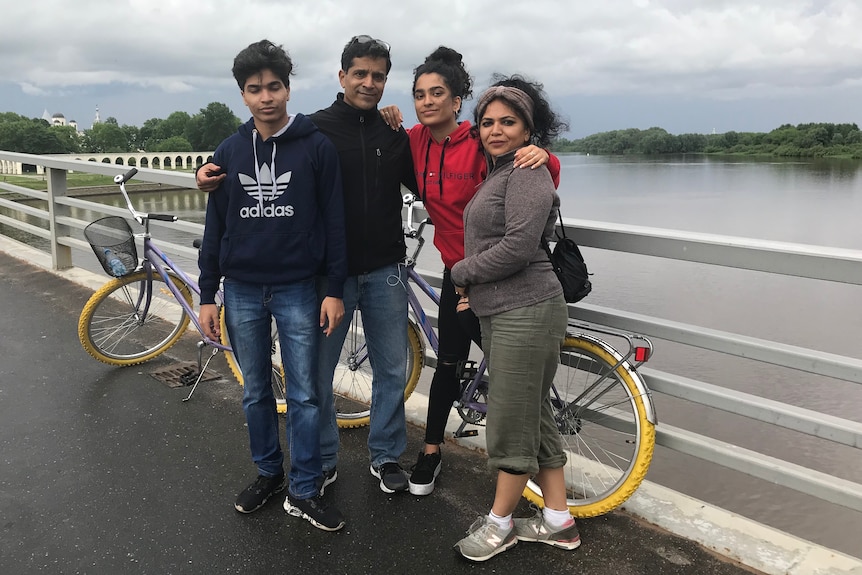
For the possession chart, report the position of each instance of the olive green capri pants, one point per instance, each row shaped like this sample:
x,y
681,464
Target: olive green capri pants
x,y
522,347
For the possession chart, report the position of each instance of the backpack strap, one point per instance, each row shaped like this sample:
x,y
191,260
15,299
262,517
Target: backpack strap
x,y
547,247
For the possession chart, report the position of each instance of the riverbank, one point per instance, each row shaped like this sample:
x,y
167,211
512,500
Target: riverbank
x,y
91,191
818,140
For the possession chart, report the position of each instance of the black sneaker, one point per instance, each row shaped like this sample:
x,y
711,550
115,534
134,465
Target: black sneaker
x,y
392,477
425,472
328,478
317,512
255,495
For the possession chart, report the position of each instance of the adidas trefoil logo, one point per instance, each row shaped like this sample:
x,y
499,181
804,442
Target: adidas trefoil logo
x,y
270,192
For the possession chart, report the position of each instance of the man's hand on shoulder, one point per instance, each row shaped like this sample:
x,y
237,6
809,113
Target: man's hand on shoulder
x,y
209,177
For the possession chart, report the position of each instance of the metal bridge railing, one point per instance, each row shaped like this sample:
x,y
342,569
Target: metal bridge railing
x,y
63,232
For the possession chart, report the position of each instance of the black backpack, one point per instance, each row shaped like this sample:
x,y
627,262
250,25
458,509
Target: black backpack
x,y
569,265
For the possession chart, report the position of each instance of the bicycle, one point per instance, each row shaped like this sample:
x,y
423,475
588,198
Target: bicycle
x,y
603,407
128,321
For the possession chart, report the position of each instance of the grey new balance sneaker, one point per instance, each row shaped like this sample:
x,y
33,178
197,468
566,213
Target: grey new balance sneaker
x,y
485,539
535,529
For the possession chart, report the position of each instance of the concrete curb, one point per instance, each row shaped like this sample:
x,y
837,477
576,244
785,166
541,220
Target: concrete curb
x,y
728,534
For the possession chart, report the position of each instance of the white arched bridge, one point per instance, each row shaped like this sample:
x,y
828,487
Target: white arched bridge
x,y
155,160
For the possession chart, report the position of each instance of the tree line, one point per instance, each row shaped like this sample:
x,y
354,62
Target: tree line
x,y
179,132
803,140
182,132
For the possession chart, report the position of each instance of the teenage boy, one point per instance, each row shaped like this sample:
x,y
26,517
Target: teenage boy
x,y
375,161
274,220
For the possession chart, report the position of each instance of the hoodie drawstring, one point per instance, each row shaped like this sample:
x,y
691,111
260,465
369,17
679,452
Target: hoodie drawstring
x,y
272,171
440,170
442,155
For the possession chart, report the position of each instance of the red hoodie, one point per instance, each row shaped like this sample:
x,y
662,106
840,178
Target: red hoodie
x,y
460,160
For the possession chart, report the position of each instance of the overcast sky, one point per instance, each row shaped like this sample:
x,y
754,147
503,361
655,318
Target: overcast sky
x,y
684,65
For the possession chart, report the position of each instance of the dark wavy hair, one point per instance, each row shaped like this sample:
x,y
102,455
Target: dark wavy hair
x,y
450,65
358,47
261,56
547,125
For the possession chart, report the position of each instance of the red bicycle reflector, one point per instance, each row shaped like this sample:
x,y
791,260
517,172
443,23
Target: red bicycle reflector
x,y
641,354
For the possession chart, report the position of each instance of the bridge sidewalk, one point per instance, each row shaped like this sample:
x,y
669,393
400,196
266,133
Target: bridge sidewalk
x,y
106,470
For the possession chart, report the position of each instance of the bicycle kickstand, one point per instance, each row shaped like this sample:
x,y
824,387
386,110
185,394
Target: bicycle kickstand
x,y
201,369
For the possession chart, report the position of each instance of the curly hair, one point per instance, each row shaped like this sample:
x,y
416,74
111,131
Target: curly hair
x,y
546,124
450,66
261,56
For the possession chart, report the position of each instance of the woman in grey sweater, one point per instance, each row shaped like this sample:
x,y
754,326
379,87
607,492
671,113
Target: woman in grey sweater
x,y
509,283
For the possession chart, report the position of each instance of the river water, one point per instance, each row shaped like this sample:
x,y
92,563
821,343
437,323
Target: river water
x,y
811,201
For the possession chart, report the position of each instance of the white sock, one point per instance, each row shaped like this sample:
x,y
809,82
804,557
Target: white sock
x,y
502,522
555,518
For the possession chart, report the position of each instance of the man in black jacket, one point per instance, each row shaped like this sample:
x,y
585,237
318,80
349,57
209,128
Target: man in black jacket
x,y
375,161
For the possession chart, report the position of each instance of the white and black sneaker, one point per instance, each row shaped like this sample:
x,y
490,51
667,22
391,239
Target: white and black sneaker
x,y
425,473
316,512
392,477
325,480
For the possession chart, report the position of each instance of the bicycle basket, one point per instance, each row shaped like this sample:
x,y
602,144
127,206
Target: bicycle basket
x,y
114,244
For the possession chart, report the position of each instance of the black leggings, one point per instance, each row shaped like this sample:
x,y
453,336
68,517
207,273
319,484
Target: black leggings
x,y
455,331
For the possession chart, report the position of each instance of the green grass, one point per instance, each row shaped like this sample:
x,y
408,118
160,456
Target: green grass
x,y
39,182
73,180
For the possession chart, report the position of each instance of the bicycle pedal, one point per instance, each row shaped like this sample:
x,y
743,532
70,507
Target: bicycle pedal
x,y
468,433
467,369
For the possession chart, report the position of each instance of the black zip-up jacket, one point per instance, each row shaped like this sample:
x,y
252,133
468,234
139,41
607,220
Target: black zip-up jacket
x,y
375,160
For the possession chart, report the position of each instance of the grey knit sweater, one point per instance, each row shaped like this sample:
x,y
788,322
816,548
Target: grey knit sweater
x,y
505,266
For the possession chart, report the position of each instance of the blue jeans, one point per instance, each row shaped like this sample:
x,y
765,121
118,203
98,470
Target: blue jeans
x,y
382,299
250,309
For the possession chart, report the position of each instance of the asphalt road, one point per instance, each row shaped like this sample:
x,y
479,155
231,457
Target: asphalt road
x,y
106,470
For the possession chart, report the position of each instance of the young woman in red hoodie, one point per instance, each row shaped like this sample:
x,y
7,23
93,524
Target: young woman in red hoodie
x,y
449,166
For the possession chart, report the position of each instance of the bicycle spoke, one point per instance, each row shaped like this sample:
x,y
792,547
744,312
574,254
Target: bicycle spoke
x,y
602,424
352,380
113,329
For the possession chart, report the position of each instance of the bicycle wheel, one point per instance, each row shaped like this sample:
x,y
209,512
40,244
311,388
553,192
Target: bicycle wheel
x,y
603,423
278,384
351,382
113,329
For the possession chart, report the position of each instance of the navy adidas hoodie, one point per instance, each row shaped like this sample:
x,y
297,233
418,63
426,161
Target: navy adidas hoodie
x,y
278,216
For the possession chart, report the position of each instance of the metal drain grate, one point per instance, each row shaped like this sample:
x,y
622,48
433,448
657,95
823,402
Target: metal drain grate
x,y
182,374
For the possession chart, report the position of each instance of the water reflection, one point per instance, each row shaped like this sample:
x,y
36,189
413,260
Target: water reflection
x,y
187,205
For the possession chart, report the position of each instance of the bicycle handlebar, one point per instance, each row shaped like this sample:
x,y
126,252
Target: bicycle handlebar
x,y
123,178
410,201
140,217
